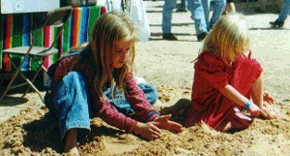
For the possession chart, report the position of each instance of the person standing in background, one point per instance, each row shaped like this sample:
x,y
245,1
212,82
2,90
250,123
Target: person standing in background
x,y
199,13
283,14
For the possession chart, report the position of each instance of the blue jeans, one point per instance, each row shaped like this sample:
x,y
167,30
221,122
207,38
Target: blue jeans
x,y
168,7
200,10
217,11
200,14
122,104
68,103
285,10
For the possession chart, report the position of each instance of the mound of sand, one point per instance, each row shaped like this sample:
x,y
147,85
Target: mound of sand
x,y
31,133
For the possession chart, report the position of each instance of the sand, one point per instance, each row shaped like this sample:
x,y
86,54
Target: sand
x,y
167,66
30,132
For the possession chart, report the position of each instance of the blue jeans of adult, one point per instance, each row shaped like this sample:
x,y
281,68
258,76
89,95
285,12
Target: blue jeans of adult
x,y
168,7
68,103
197,14
284,11
217,11
200,10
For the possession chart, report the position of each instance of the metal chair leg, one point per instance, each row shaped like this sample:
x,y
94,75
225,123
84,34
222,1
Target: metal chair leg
x,y
29,82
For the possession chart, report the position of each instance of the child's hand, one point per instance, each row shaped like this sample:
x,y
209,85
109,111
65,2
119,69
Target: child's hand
x,y
256,111
268,98
147,130
163,122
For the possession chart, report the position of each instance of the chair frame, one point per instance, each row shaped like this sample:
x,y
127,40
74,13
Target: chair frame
x,y
39,54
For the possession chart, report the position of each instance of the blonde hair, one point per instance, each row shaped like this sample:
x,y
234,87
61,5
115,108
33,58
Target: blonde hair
x,y
229,37
107,31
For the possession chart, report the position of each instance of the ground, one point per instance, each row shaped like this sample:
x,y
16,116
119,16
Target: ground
x,y
166,65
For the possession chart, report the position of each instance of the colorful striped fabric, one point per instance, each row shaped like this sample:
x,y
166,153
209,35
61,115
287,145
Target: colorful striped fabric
x,y
18,29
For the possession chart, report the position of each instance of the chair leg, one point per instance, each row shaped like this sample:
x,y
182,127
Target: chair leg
x,y
28,81
32,80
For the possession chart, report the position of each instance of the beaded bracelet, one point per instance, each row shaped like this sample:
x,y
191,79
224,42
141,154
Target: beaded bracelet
x,y
247,106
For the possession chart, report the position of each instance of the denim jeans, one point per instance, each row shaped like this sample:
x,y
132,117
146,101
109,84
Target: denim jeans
x,y
67,101
200,10
285,10
122,104
168,7
217,11
200,14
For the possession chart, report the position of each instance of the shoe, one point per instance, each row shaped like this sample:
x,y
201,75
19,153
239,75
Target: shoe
x,y
277,23
169,36
210,28
181,10
202,36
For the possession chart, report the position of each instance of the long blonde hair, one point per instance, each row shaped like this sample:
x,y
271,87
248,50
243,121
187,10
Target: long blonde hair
x,y
229,37
107,31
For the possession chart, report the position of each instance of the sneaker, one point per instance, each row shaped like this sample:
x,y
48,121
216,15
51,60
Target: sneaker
x,y
210,28
202,36
277,23
169,36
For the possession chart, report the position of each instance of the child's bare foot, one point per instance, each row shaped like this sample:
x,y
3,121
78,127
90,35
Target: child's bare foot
x,y
71,144
73,151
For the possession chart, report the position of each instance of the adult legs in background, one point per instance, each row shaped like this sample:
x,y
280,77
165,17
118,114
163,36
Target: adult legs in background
x,y
283,14
198,15
217,11
168,7
206,7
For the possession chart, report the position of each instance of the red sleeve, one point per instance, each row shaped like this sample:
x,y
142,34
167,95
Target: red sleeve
x,y
114,118
137,99
63,67
213,70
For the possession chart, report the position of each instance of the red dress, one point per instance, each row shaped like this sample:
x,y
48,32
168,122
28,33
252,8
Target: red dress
x,y
211,74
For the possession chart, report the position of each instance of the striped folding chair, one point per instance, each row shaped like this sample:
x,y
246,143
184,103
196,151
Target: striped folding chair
x,y
57,18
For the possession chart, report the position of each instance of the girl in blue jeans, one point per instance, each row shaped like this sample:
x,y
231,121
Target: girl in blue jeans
x,y
97,81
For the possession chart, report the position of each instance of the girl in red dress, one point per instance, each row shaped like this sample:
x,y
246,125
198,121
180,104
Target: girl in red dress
x,y
227,79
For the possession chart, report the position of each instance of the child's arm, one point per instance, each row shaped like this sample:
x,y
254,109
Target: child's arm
x,y
138,101
150,130
232,94
110,115
113,117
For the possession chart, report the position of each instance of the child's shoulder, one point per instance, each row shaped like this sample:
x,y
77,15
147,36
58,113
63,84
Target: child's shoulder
x,y
209,57
208,60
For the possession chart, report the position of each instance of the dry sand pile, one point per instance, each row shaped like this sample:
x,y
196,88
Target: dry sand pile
x,y
31,133
168,63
